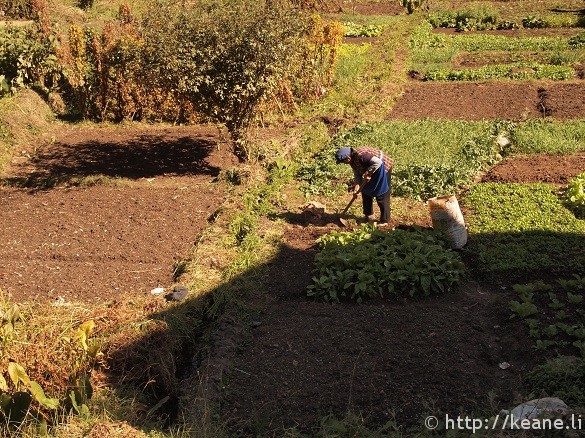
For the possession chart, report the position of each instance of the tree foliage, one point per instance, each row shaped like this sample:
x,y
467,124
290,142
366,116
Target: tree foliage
x,y
224,57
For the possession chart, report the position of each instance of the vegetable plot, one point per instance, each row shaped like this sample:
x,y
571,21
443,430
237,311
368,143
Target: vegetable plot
x,y
369,263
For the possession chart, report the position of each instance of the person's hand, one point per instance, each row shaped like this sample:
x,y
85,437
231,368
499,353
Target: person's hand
x,y
356,190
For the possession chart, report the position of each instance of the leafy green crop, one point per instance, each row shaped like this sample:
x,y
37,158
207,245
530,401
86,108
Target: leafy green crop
x,y
510,71
553,313
366,30
577,41
473,43
522,229
466,20
575,195
369,263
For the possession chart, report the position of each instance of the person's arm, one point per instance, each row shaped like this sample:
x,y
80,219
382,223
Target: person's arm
x,y
374,164
357,181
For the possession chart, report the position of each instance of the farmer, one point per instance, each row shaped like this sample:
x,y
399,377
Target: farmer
x,y
372,168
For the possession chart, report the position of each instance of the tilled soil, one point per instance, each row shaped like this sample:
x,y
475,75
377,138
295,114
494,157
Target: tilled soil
x,y
121,237
505,100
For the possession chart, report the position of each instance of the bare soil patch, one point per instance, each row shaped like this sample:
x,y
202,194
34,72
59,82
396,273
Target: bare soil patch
x,y
537,168
101,242
508,100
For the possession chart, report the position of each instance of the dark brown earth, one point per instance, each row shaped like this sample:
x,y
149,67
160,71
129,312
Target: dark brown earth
x,y
300,360
537,168
505,100
102,242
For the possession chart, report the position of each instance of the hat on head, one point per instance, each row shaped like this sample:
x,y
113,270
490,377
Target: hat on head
x,y
342,154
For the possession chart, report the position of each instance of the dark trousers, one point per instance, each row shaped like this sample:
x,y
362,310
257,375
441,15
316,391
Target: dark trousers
x,y
383,202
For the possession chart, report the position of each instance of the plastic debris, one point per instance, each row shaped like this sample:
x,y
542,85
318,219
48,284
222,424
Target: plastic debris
x,y
157,290
538,408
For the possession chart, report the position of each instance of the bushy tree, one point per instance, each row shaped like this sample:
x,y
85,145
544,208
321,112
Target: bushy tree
x,y
223,56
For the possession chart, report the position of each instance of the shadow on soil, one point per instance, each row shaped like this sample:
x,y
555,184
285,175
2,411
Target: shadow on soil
x,y
146,156
291,362
522,257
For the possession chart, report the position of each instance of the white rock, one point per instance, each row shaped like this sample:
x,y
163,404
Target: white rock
x,y
502,141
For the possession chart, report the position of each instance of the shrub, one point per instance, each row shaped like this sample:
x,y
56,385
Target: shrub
x,y
223,60
27,57
368,263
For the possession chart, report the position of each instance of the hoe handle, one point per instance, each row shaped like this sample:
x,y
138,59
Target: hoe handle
x,y
355,195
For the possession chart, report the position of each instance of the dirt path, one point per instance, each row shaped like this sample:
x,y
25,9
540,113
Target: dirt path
x,y
104,241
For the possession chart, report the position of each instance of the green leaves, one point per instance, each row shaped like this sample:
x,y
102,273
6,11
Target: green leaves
x,y
26,57
39,395
83,332
231,57
575,195
509,71
17,374
523,229
368,263
553,313
367,30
